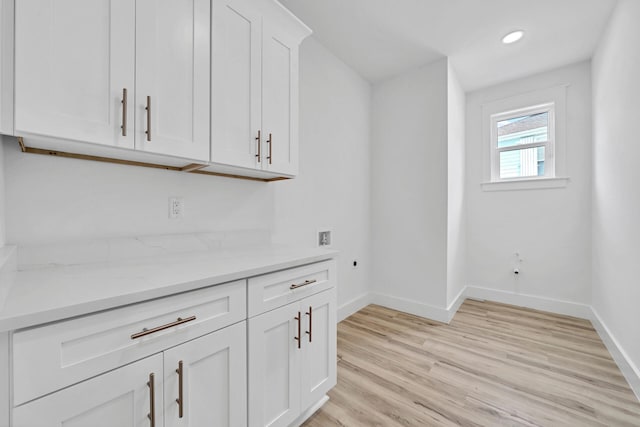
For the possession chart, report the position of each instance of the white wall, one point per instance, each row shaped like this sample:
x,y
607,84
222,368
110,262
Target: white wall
x,y
549,227
55,199
2,195
456,202
616,198
332,190
409,186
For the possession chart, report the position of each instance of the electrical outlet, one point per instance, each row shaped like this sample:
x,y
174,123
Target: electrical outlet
x,y
324,238
176,207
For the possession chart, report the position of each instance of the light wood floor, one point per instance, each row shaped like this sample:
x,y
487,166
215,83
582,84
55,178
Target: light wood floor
x,y
494,365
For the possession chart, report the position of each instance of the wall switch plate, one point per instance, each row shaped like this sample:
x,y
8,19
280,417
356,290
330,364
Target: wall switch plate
x,y
176,207
324,238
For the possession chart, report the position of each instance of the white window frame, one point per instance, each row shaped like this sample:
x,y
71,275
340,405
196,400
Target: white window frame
x,y
518,104
549,144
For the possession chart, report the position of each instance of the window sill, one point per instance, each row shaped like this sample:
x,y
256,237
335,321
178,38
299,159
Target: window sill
x,y
526,184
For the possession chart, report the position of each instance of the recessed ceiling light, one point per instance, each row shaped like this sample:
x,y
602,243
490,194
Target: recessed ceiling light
x,y
513,37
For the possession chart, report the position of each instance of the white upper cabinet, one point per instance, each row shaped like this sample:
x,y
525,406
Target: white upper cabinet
x,y
74,59
6,67
280,99
132,74
254,93
211,82
235,83
172,77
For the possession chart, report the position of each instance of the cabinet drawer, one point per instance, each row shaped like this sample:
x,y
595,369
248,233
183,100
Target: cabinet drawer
x,y
277,289
54,356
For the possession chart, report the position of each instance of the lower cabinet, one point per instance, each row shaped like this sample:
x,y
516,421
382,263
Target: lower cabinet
x,y
185,360
292,359
125,397
201,382
205,380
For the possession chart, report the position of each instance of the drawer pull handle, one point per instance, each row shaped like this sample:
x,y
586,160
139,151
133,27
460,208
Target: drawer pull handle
x,y
310,314
180,321
298,318
180,399
152,404
305,283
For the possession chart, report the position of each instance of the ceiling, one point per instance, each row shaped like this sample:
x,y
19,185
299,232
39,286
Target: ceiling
x,y
382,38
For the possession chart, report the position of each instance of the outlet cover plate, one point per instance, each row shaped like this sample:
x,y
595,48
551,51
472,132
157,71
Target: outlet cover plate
x,y
176,207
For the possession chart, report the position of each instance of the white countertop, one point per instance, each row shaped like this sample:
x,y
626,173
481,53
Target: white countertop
x,y
43,295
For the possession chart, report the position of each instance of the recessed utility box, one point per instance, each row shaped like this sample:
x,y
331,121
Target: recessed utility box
x,y
324,238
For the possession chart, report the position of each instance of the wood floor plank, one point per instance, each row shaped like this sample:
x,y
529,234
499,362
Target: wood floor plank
x,y
493,365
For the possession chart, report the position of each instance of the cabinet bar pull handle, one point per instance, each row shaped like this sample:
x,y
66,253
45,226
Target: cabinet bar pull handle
x,y
124,112
148,108
144,332
152,404
310,314
270,142
180,399
305,283
299,330
259,139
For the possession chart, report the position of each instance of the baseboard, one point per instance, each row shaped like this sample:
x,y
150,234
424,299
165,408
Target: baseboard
x,y
567,308
353,306
445,315
627,367
452,309
412,307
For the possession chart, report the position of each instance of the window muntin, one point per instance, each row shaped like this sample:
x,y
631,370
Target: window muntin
x,y
522,143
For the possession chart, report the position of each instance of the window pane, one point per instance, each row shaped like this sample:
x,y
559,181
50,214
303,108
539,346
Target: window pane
x,y
522,163
523,130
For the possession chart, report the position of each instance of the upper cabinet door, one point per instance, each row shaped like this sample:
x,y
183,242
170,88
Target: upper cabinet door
x,y
280,99
6,66
236,83
172,77
73,61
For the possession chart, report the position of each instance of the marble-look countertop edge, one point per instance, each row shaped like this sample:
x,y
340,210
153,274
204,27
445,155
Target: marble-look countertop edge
x,y
39,317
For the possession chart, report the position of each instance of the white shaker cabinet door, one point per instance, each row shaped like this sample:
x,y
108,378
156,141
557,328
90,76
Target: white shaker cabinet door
x,y
6,66
213,370
318,375
172,77
74,59
274,367
279,99
122,398
236,84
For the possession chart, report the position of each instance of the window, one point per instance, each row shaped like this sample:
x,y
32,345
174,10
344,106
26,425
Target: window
x,y
522,143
